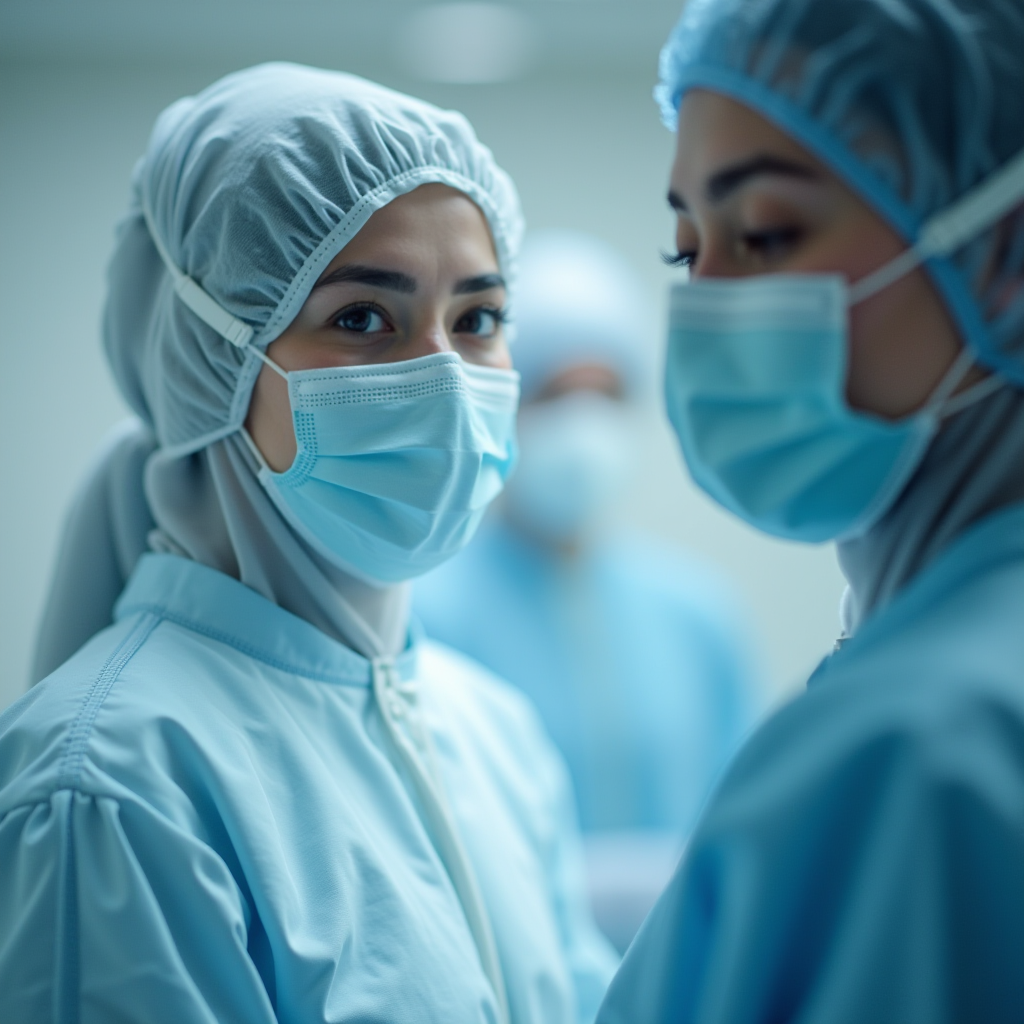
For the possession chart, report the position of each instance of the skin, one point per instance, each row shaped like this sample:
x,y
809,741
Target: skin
x,y
423,278
749,200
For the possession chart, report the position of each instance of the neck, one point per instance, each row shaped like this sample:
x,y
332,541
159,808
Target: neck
x,y
973,468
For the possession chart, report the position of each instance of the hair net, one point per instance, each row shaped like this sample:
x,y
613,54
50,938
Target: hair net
x,y
912,102
252,187
578,301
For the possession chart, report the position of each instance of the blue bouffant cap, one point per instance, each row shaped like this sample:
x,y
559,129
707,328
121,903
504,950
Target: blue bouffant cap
x,y
912,102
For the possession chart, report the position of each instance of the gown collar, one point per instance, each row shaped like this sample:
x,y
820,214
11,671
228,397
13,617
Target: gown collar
x,y
220,607
989,543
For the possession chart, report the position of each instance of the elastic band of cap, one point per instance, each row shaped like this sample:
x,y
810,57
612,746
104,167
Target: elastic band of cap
x,y
214,315
978,209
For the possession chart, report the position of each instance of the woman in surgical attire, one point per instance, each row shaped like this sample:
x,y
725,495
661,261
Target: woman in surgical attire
x,y
254,796
847,363
632,650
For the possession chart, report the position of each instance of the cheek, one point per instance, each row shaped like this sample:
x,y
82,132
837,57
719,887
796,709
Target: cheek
x,y
502,358
902,341
269,420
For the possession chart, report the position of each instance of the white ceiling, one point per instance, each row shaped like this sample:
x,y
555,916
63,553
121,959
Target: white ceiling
x,y
523,37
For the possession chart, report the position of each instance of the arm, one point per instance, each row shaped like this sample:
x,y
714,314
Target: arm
x,y
857,865
110,913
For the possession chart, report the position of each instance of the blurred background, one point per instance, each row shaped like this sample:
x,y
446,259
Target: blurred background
x,y
559,89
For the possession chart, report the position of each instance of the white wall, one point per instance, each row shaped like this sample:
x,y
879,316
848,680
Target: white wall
x,y
586,152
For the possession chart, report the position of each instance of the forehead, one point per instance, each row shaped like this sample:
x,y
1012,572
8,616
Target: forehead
x,y
433,219
714,131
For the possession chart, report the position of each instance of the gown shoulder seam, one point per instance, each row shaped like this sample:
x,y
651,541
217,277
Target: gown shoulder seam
x,y
70,764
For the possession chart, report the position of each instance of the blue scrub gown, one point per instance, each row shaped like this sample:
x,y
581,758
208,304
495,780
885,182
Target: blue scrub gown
x,y
633,655
202,820
863,860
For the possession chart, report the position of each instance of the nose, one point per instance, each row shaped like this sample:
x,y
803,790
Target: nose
x,y
428,337
715,260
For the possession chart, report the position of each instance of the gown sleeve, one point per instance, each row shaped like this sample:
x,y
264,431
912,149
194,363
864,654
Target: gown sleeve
x,y
859,865
110,913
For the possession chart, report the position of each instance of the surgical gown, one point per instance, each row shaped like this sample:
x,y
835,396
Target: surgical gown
x,y
633,654
201,820
863,860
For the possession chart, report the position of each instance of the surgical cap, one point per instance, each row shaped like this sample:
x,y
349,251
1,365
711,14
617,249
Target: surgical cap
x,y
911,102
252,188
578,301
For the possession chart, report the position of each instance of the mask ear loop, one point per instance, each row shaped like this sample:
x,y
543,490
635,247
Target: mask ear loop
x,y
978,209
246,436
256,453
260,354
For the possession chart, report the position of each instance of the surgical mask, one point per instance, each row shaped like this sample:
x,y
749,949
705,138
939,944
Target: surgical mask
x,y
755,388
574,457
396,463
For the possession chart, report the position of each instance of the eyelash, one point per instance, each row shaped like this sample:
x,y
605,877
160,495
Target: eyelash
x,y
677,259
773,238
359,307
760,242
500,313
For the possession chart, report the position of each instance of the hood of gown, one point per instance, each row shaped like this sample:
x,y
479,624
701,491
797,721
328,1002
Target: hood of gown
x,y
974,466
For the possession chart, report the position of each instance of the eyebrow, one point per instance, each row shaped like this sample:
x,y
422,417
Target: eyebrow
x,y
725,182
396,281
480,283
393,280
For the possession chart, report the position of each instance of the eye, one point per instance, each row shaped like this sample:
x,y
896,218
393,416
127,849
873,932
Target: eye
x,y
679,259
361,319
483,322
773,242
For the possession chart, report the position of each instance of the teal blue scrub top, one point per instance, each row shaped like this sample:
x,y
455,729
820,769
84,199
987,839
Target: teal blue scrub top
x,y
201,820
633,653
863,860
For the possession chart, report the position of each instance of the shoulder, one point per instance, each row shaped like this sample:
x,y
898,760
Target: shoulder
x,y
113,716
932,702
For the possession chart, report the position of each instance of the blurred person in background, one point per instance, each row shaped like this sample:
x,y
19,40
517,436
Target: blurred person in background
x,y
634,652
846,363
256,795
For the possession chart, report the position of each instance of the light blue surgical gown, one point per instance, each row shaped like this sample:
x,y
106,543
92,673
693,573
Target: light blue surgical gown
x,y
633,654
201,820
862,861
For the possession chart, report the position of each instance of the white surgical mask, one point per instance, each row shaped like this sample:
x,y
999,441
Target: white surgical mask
x,y
574,458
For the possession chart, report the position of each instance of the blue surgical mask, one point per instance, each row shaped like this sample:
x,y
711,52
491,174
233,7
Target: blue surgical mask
x,y
755,388
396,462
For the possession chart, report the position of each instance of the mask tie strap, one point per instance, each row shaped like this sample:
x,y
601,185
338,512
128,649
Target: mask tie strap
x,y
942,403
976,210
256,453
975,393
260,354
